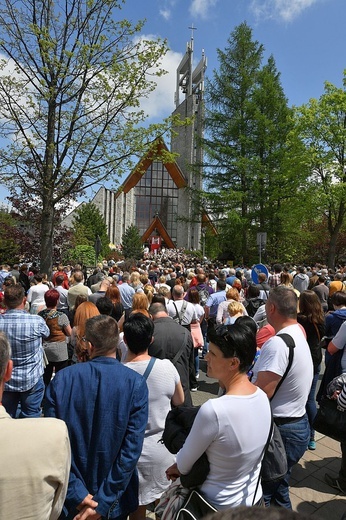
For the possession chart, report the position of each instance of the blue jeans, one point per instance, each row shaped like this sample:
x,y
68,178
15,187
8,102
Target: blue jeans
x,y
311,408
30,401
295,436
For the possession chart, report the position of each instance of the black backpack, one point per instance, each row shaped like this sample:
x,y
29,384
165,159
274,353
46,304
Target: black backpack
x,y
252,305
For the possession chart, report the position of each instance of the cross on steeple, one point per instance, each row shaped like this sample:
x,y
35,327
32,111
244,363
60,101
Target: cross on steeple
x,y
192,29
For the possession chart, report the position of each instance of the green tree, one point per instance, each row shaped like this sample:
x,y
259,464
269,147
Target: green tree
x,y
247,124
9,251
88,223
322,126
81,254
72,77
132,243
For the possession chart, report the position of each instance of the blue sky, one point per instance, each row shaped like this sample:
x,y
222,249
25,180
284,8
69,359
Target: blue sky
x,y
306,38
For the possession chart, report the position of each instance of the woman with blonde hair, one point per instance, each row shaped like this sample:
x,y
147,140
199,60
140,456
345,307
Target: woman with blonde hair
x,y
149,292
84,311
222,310
135,282
235,310
140,302
286,279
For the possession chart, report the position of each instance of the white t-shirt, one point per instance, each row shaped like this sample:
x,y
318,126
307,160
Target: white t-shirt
x,y
188,316
291,398
339,341
222,429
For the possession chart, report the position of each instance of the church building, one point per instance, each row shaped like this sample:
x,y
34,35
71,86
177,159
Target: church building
x,y
156,196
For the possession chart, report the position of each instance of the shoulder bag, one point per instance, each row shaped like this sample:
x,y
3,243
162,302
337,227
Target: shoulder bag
x,y
274,463
330,419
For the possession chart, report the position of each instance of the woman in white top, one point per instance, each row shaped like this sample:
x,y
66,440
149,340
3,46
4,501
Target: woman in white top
x,y
36,294
232,429
164,388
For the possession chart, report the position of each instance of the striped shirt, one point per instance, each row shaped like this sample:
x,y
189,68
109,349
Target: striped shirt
x,y
25,332
342,399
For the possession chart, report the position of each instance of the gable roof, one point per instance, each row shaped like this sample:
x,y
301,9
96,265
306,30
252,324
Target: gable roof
x,y
157,224
158,149
207,223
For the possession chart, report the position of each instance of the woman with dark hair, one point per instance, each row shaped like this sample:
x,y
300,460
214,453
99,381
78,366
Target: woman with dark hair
x,y
55,346
36,294
311,318
113,294
253,301
221,427
24,278
164,388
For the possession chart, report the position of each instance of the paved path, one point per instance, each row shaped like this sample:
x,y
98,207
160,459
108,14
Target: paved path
x,y
309,493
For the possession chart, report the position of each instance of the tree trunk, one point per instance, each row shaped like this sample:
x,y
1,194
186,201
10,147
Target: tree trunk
x,y
47,231
332,249
333,233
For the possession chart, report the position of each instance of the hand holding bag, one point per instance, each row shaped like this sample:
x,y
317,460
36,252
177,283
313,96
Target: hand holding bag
x,y
171,501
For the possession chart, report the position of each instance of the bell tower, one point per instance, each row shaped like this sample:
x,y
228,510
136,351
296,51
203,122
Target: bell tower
x,y
189,102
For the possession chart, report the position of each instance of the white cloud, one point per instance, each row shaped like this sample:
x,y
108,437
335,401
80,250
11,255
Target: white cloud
x,y
165,13
201,8
166,8
286,10
160,103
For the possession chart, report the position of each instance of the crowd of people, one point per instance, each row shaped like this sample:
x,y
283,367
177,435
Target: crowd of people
x,y
104,355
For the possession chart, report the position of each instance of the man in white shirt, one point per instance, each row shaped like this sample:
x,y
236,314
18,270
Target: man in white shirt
x,y
180,310
288,403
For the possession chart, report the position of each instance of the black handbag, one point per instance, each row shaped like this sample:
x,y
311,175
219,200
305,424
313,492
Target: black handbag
x,y
330,421
274,462
195,507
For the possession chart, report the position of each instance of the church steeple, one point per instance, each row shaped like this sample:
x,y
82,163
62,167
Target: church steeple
x,y
190,81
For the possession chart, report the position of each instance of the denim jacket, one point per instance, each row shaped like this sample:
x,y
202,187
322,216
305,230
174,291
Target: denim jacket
x,y
105,407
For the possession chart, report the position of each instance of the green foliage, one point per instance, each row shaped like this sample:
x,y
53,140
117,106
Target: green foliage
x,y
9,251
81,254
72,77
132,243
88,223
248,171
321,125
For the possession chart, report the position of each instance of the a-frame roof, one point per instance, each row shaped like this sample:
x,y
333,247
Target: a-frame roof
x,y
158,149
207,222
157,224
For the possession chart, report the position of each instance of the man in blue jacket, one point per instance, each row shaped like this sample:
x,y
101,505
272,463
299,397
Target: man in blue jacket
x,y
105,407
